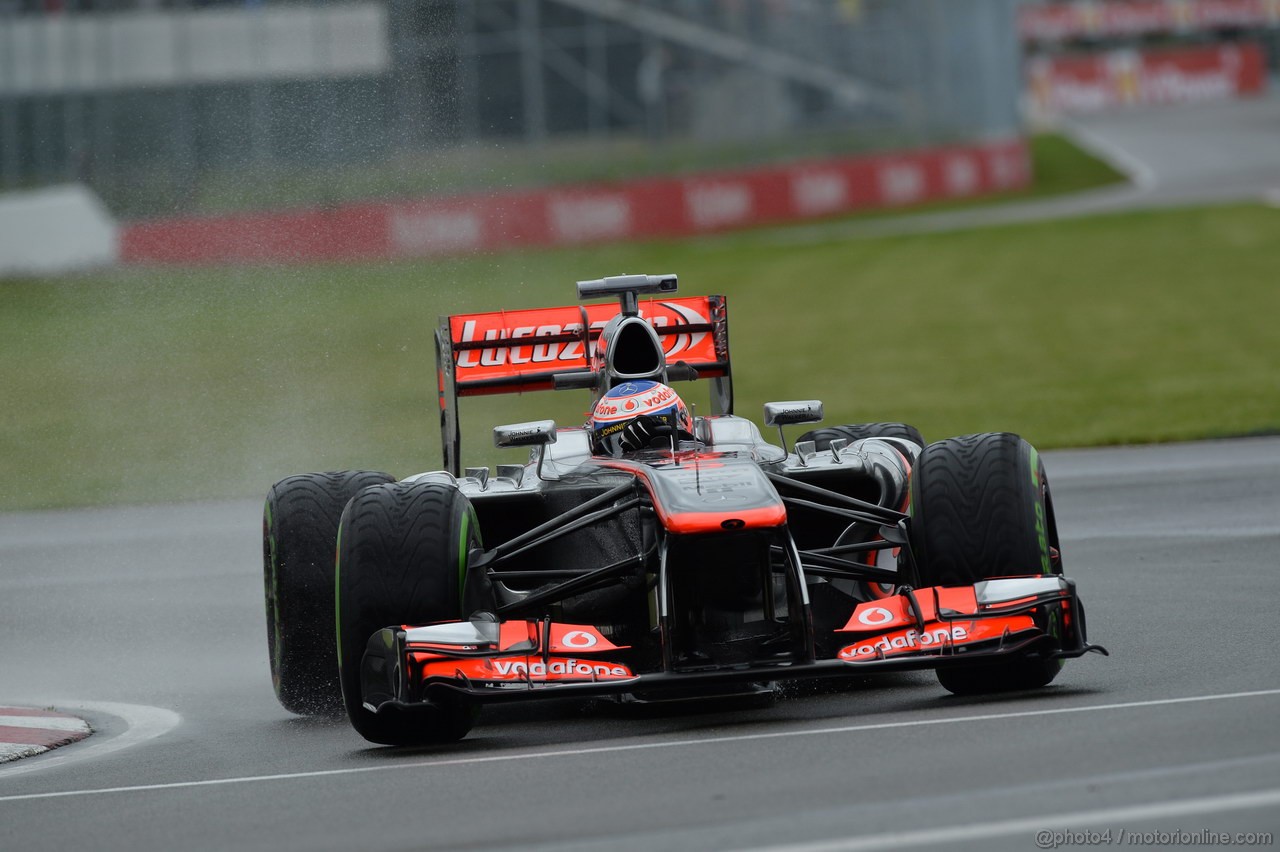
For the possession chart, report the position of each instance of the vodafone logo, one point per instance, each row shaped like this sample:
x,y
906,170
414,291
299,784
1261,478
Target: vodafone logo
x,y
909,640
875,616
578,639
559,670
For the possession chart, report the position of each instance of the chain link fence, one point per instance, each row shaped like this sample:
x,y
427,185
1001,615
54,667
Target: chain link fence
x,y
184,106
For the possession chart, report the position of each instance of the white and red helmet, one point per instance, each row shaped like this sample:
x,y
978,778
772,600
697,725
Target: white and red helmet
x,y
629,415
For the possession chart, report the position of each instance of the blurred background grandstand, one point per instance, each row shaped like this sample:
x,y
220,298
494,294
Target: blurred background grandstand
x,y
1090,55
179,107
193,106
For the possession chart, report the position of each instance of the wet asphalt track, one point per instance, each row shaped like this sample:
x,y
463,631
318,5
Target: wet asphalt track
x,y
150,621
1175,548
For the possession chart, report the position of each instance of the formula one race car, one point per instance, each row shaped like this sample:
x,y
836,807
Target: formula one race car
x,y
653,555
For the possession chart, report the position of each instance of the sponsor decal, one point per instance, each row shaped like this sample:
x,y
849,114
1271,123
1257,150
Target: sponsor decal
x,y
582,638
559,668
1167,83
712,205
499,326
578,639
962,175
1008,169
1126,77
907,640
500,355
902,183
594,217
875,616
815,193
690,316
895,611
649,400
437,231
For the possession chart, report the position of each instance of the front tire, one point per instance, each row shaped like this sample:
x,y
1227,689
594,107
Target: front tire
x,y
299,528
402,559
981,509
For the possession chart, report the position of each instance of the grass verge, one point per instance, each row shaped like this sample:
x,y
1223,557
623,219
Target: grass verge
x,y
144,386
1058,164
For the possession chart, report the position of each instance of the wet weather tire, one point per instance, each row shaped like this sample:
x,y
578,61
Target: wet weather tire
x,y
299,530
402,559
856,432
981,509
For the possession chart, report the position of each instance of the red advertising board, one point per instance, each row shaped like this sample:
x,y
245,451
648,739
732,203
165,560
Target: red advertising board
x,y
641,209
1128,18
1119,78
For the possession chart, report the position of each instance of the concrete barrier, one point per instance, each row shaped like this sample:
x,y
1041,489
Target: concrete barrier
x,y
55,230
587,213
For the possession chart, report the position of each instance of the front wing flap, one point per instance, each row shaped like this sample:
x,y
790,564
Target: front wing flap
x,y
488,661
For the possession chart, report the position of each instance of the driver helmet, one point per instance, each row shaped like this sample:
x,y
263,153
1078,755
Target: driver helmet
x,y
633,414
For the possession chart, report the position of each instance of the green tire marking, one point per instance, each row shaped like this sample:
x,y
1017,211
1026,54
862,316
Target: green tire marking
x,y
462,555
278,652
337,600
1042,522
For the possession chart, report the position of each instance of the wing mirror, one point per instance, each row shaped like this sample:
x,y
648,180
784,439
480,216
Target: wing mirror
x,y
789,413
536,433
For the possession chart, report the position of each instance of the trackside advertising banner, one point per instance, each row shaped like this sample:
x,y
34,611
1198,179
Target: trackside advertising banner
x,y
1120,78
1050,22
571,215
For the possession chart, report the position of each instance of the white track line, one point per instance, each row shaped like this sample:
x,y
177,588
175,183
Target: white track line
x,y
947,836
1142,175
577,752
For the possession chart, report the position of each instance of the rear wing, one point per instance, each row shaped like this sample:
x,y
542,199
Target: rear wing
x,y
517,351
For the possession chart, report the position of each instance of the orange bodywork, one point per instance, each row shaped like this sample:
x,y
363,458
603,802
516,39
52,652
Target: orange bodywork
x,y
939,637
492,351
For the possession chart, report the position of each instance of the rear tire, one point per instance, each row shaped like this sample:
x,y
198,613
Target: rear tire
x,y
856,432
299,528
981,509
402,559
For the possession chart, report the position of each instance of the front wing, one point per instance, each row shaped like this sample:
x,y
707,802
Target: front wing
x,y
487,660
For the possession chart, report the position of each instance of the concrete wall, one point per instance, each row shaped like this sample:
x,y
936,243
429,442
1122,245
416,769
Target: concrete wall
x,y
55,230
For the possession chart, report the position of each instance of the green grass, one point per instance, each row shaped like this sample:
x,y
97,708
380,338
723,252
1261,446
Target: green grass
x,y
477,167
141,386
1059,167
